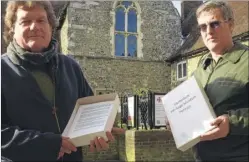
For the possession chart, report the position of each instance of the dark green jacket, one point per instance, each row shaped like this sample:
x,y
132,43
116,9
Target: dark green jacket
x,y
226,85
29,131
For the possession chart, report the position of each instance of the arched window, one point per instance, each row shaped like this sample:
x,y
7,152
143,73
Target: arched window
x,y
126,34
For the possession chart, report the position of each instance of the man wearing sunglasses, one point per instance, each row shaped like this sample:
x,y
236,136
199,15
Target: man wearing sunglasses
x,y
223,73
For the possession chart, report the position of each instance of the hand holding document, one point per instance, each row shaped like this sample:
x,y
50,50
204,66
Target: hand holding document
x,y
99,144
92,117
66,147
189,113
220,131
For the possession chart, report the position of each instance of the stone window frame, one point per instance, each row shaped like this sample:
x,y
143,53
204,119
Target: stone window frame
x,y
177,74
139,34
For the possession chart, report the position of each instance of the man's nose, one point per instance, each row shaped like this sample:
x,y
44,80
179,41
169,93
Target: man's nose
x,y
209,29
33,25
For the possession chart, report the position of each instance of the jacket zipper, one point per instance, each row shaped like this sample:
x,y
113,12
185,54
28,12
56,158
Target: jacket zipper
x,y
54,109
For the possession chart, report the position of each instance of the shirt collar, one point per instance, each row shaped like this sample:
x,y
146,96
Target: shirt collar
x,y
207,60
233,55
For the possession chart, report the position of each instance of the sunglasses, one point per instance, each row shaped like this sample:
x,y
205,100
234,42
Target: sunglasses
x,y
213,25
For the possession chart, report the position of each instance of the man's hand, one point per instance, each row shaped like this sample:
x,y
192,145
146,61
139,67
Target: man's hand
x,y
99,143
221,130
167,124
168,127
66,147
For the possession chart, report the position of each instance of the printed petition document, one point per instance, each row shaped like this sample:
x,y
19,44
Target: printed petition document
x,y
189,113
92,117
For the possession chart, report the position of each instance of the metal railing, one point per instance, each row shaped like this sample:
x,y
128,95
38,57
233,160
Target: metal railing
x,y
142,108
140,111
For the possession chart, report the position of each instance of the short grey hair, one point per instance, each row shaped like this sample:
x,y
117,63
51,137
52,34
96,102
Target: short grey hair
x,y
210,5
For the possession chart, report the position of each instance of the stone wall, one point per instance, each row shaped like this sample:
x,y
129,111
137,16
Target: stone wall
x,y
155,145
88,29
109,155
124,75
161,29
88,33
142,145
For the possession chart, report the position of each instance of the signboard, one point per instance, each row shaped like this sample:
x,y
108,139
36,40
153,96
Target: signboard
x,y
160,116
131,111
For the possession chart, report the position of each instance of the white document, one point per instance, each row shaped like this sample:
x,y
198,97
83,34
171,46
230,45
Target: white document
x,y
189,113
91,118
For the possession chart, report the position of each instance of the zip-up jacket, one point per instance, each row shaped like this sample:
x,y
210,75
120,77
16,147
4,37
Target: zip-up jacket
x,y
30,130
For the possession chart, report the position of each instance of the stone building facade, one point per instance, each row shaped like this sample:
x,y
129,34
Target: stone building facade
x,y
88,34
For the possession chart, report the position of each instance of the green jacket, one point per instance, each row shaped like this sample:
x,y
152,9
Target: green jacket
x,y
226,85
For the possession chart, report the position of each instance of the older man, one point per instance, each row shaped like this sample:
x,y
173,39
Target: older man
x,y
39,88
223,73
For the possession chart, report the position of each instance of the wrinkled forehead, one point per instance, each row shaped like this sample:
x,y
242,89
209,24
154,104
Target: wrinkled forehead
x,y
30,11
209,15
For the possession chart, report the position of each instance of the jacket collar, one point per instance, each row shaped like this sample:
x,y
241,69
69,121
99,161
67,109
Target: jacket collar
x,y
233,55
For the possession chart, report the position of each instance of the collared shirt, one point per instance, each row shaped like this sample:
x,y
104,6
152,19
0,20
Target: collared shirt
x,y
226,77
